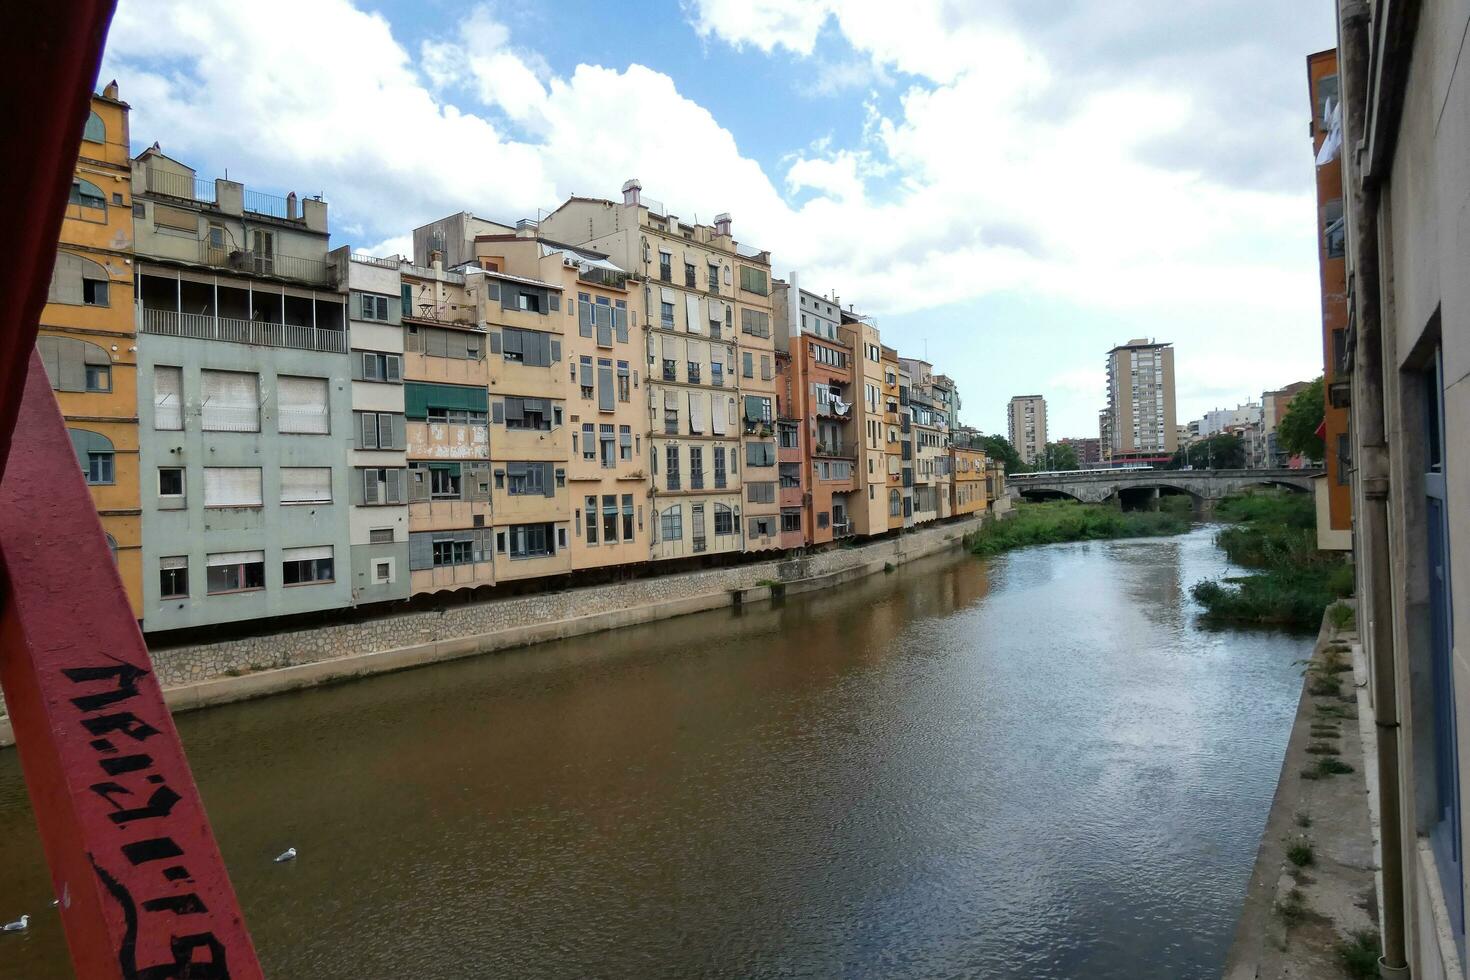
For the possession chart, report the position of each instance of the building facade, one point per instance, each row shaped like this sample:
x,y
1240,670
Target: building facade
x,y
1141,424
1089,451
87,337
244,402
869,511
932,404
893,439
970,470
1404,151
1026,418
706,311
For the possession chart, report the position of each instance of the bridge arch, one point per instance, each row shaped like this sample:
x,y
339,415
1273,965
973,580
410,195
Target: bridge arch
x,y
1042,494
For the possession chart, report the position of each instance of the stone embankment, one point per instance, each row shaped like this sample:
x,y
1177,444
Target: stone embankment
x,y
1312,901
199,675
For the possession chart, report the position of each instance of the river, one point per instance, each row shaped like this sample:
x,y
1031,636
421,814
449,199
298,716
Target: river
x,y
1036,766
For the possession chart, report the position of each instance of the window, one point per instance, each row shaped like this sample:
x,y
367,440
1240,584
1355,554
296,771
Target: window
x,y
627,517
625,443
173,577
724,520
666,315
532,540
86,194
168,407
714,278
753,280
694,372
666,266
790,520
301,405
235,571
671,369
379,430
1334,230
760,454
229,401
607,446
373,366
760,493
671,523
689,275
747,364
590,509
623,393
585,365
370,307
383,572
761,527
1344,460
99,468
528,302
75,365
232,486
533,348
306,484
536,414
306,566
696,467
171,482
610,517
720,467
94,131
717,374
757,408
672,473
380,535
444,481
589,445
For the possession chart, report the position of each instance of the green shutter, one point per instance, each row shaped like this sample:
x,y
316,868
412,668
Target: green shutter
x,y
407,294
419,398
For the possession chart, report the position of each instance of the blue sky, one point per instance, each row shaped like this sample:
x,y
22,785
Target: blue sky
x,y
1016,186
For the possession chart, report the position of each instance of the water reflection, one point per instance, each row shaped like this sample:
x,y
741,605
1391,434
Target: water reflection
x,y
1033,767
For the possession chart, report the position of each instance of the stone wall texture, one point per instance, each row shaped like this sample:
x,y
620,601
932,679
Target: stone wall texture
x,y
189,664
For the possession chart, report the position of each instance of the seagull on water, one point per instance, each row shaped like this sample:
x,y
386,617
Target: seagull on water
x,y
19,925
288,855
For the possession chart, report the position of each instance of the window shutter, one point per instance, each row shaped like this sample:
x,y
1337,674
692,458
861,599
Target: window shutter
x,y
553,303
495,341
369,486
586,372
168,405
418,484
556,352
584,318
492,290
231,401
360,362
604,318
232,486
548,484
691,313
234,558
405,294
400,434
620,323
306,484
420,550
497,412
605,392
367,430
395,367
393,486
477,476
301,405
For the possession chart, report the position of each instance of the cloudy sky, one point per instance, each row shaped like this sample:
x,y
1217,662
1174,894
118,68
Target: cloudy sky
x,y
1012,186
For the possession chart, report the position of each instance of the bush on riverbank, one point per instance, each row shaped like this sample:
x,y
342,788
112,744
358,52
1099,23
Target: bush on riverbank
x,y
1275,533
1052,523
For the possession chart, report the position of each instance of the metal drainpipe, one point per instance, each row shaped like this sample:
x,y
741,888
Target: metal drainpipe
x,y
1368,419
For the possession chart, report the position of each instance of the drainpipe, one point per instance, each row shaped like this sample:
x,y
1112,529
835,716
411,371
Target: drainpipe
x,y
1368,419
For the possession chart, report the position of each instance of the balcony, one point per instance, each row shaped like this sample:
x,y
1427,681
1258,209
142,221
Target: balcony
x,y
203,326
603,277
835,450
182,186
833,407
841,530
315,271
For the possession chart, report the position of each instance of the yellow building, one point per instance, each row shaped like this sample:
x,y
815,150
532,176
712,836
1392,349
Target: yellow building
x,y
968,487
87,337
893,438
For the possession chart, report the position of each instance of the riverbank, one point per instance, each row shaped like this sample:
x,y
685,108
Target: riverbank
x,y
1310,910
202,675
1290,582
1058,522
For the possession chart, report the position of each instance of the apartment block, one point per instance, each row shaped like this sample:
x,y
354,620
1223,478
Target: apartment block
x,y
1266,451
1026,416
87,333
446,407
933,403
791,461
598,474
244,401
969,466
1089,451
1334,489
823,365
869,512
710,367
894,435
906,441
1141,423
378,520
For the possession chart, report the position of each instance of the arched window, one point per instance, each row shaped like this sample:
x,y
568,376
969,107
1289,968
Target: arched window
x,y
724,519
75,365
95,131
95,454
112,547
78,281
87,194
895,504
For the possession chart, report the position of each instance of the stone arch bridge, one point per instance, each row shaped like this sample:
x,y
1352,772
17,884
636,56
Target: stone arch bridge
x,y
1205,486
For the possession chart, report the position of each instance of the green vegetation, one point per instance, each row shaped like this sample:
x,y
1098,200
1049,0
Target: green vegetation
x,y
999,447
1303,819
1327,765
1056,456
1297,430
1053,522
1343,616
1275,534
1221,452
1292,908
1359,955
1299,852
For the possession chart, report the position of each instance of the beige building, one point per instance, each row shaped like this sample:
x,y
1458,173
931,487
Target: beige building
x,y
710,367
1027,417
869,509
1404,149
1141,425
932,404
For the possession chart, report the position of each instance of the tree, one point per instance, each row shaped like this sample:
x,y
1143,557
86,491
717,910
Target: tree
x,y
1297,431
1219,452
1058,456
999,447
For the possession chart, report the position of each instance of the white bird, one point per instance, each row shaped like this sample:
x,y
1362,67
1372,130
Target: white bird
x,y
289,855
19,925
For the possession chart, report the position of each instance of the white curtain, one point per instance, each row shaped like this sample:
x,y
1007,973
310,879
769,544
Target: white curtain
x,y
232,486
301,405
306,484
168,393
230,401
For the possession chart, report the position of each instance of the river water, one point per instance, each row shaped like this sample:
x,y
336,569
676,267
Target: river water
x,y
1036,766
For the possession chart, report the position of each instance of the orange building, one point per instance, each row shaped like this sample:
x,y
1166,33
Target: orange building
x,y
87,338
822,388
1334,490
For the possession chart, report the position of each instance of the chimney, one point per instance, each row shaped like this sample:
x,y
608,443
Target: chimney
x,y
436,260
291,206
631,191
527,228
722,224
110,92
